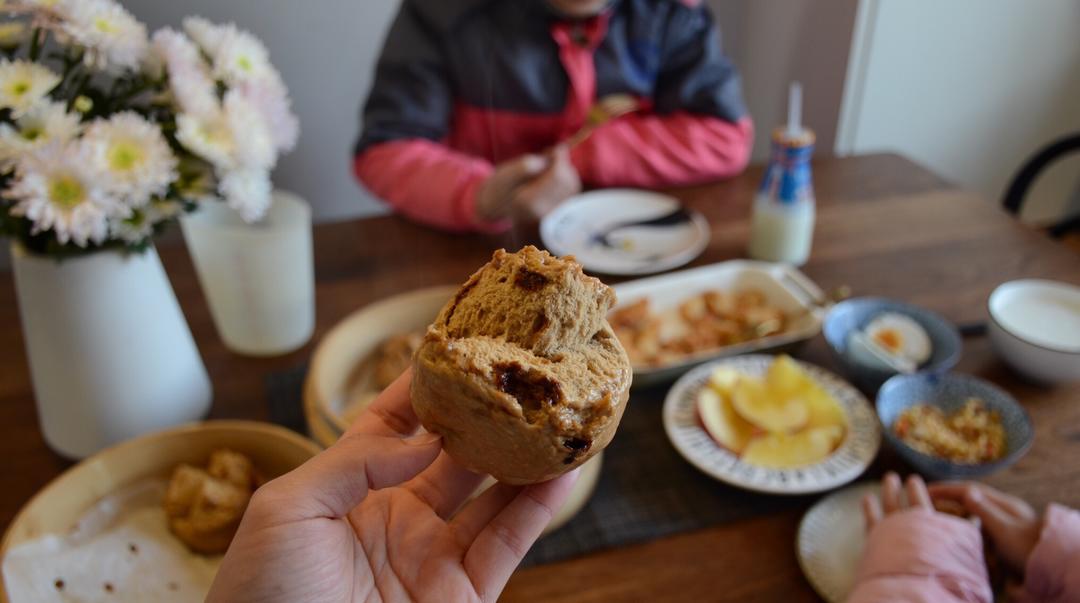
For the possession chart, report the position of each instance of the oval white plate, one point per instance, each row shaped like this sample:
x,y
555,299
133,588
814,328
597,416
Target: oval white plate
x,y
832,536
695,445
569,229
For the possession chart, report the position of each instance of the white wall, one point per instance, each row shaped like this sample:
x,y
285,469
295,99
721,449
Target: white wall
x,y
326,50
970,88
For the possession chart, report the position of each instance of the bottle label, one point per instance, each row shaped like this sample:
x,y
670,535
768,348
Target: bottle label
x,y
787,179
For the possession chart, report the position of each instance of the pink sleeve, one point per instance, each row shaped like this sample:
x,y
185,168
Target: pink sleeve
x,y
1053,568
652,151
925,557
426,182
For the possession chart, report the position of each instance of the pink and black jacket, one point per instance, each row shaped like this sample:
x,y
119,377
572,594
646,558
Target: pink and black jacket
x,y
465,84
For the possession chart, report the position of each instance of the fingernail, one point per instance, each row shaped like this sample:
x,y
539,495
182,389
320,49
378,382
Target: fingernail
x,y
974,495
423,439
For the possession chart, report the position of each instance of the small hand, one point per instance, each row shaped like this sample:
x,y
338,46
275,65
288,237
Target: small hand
x,y
534,199
890,501
376,518
495,195
1012,524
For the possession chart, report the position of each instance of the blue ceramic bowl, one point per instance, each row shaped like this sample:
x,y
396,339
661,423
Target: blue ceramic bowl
x,y
855,314
949,392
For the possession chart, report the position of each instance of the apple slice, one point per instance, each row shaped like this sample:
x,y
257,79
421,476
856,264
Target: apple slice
x,y
786,451
758,404
722,422
724,380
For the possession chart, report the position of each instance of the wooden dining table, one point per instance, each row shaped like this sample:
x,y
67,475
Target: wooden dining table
x,y
885,227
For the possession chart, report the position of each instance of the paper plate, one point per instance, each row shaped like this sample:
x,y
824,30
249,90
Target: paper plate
x,y
831,539
690,439
571,229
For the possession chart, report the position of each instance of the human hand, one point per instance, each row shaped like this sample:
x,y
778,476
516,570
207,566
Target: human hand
x,y
1012,524
536,198
495,195
875,508
375,517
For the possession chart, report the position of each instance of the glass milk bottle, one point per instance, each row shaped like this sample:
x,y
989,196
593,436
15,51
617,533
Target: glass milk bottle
x,y
782,229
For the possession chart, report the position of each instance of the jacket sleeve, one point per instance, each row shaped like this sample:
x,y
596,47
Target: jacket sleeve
x,y
698,128
922,556
406,117
1053,569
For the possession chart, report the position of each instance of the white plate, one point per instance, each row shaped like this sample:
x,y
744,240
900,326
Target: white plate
x,y
784,288
690,439
640,250
832,536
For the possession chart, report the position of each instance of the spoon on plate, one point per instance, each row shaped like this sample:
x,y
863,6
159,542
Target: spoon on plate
x,y
679,215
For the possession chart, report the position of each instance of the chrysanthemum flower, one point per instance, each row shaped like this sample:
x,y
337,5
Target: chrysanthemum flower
x,y
131,157
47,122
189,75
106,29
56,190
23,84
248,192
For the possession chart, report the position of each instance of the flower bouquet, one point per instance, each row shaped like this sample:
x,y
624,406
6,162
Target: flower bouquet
x,y
107,135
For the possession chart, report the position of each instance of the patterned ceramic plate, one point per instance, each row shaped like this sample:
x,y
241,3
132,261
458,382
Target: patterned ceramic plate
x,y
831,539
686,433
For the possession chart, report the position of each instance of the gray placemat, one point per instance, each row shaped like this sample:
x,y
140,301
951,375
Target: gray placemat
x,y
646,490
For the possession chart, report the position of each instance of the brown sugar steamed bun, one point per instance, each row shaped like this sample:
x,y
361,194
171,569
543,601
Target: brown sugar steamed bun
x,y
520,372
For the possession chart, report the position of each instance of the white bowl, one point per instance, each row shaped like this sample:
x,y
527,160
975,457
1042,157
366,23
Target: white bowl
x,y
1035,328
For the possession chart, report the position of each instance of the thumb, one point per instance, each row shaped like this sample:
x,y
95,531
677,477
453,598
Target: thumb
x,y
338,479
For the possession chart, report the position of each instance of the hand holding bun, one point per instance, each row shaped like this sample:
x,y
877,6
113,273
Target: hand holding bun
x,y
520,372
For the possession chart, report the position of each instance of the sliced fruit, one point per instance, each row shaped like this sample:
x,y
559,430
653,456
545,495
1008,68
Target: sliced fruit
x,y
787,451
724,379
760,405
722,422
824,410
786,376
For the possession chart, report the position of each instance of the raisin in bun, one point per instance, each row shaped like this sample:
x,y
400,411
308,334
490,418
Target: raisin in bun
x,y
520,372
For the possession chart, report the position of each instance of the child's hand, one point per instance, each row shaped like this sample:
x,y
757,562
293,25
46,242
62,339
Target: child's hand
x,y
875,508
494,197
534,199
1012,524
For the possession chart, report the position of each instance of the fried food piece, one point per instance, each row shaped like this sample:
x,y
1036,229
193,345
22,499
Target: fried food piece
x,y
204,507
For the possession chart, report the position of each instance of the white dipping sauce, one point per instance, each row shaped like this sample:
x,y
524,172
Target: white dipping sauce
x,y
1045,313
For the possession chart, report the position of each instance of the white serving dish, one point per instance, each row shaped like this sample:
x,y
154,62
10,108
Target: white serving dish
x,y
784,287
1035,328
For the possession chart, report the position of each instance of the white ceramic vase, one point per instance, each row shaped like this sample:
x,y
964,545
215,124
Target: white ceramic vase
x,y
111,356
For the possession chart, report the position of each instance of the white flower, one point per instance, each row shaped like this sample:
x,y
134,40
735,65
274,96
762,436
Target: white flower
x,y
189,75
106,30
23,84
252,140
236,137
131,157
237,55
12,34
208,137
248,192
56,190
47,122
271,99
206,34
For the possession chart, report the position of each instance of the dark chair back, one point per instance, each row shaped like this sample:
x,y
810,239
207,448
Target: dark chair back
x,y
1021,183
